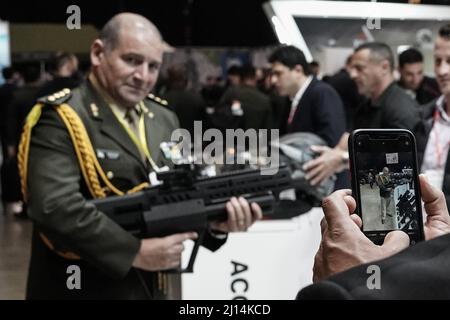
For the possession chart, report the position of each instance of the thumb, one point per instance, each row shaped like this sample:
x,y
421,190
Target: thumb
x,y
394,242
432,197
357,220
335,209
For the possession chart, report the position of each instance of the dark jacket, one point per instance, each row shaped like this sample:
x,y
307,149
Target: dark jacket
x,y
6,94
419,272
59,83
188,106
57,201
385,184
319,111
22,102
394,109
348,91
427,91
422,133
256,107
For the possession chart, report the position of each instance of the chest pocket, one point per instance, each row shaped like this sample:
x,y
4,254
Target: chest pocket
x,y
120,168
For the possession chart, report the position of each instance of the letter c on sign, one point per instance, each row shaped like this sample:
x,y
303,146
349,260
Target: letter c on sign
x,y
239,280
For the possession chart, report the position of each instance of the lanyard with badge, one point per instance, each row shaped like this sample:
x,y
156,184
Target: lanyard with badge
x,y
141,143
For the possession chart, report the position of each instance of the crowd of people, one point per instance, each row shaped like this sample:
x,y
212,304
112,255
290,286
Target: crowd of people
x,y
127,124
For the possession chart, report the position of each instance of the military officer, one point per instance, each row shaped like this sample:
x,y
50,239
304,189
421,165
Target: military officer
x,y
103,139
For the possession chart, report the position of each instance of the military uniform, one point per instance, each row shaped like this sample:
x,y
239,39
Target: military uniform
x,y
256,107
57,195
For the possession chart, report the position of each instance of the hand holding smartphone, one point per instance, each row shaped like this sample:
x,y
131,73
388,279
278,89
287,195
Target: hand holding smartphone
x,y
385,183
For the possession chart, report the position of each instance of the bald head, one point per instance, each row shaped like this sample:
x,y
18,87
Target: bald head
x,y
127,57
126,23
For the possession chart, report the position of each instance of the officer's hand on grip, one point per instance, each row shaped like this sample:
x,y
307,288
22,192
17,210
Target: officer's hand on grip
x,y
162,253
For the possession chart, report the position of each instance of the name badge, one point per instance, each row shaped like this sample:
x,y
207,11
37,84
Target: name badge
x,y
108,154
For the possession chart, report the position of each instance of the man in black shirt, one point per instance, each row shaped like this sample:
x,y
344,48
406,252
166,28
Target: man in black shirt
x,y
387,107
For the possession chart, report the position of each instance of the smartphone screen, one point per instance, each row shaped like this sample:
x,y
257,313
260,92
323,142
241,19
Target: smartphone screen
x,y
385,182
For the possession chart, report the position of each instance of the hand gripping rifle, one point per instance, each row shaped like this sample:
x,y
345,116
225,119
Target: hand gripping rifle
x,y
185,202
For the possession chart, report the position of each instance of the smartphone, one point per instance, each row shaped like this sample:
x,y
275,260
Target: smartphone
x,y
384,175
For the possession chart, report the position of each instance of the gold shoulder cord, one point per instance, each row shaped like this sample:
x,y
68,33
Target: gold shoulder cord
x,y
89,165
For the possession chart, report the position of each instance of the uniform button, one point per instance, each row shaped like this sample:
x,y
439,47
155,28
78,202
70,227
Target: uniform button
x,y
110,174
51,98
66,90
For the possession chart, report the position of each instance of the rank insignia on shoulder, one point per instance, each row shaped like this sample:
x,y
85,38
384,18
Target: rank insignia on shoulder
x,y
57,98
151,96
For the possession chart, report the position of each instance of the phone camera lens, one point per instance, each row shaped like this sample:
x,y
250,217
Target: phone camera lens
x,y
406,143
359,143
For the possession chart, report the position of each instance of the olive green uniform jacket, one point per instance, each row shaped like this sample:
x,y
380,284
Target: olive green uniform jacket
x,y
57,202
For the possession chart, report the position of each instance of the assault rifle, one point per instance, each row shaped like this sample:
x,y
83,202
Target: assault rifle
x,y
187,202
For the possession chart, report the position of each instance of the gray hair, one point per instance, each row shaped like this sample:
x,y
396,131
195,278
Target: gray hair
x,y
379,51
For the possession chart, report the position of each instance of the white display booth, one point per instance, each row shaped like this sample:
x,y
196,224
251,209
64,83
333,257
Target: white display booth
x,y
272,261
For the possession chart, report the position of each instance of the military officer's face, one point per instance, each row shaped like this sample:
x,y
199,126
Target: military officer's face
x,y
129,71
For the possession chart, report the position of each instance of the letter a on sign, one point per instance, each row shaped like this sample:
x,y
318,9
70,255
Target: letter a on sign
x,y
74,280
238,268
74,20
374,280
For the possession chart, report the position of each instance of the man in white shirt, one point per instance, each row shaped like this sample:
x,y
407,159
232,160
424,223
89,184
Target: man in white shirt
x,y
433,134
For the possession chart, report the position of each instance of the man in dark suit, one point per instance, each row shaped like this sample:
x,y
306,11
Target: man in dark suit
x,y
125,127
315,106
346,258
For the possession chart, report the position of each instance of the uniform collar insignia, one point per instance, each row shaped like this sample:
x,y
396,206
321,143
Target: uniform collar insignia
x,y
94,109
